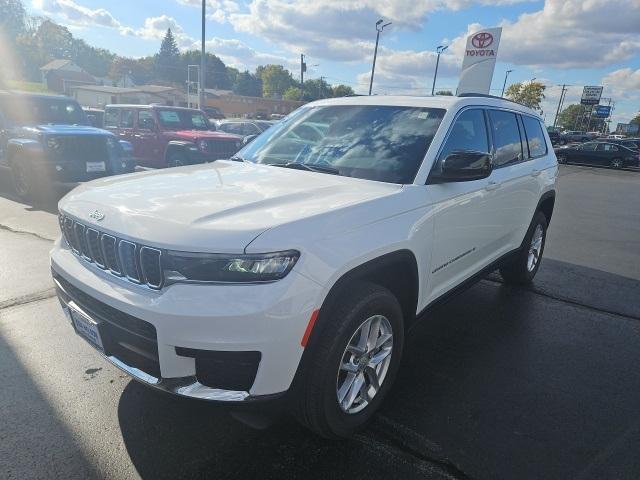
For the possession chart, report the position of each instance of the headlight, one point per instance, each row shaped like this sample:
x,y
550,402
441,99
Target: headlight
x,y
222,268
203,145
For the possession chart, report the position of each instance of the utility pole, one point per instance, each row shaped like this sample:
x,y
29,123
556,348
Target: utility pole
x,y
504,85
375,52
303,68
202,57
440,49
320,87
564,89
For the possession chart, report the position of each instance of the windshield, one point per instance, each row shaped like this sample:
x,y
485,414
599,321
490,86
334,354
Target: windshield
x,y
39,110
183,119
383,143
263,125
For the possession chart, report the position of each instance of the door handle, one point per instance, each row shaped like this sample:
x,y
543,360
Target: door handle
x,y
492,185
535,172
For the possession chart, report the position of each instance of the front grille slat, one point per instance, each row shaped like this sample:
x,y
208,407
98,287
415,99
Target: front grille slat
x,y
137,263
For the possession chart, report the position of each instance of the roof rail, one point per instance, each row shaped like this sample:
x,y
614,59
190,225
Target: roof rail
x,y
485,95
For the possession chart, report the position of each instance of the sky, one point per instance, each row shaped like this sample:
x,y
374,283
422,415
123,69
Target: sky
x,y
574,42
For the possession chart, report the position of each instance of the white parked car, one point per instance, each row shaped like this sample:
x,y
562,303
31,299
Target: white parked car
x,y
293,271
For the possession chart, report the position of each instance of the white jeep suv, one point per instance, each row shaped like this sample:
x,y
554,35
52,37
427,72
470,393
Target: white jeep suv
x,y
296,268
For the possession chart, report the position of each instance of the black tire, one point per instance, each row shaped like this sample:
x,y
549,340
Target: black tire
x,y
316,389
562,159
617,163
518,271
176,159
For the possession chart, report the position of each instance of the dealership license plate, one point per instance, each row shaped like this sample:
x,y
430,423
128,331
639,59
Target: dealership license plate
x,y
87,328
96,167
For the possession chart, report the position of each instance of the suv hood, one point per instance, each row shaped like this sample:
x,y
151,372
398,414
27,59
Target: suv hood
x,y
217,207
55,129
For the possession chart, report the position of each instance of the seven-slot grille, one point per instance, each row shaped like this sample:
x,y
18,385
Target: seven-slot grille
x,y
221,149
137,263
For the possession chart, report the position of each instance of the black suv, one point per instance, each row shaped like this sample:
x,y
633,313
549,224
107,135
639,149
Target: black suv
x,y
46,144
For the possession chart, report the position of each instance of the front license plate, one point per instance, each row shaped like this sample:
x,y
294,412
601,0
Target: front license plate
x,y
87,328
96,167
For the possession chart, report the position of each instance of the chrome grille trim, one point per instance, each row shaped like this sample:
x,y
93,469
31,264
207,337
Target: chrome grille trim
x,y
117,256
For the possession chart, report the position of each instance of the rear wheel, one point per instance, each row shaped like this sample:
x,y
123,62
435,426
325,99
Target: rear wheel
x,y
617,163
353,362
522,269
22,179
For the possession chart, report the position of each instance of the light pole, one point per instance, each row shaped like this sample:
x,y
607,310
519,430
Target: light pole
x,y
504,85
202,59
440,49
379,28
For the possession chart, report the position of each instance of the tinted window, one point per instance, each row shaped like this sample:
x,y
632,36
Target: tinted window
x,y
506,138
111,118
231,128
250,129
28,110
145,120
607,147
126,119
590,147
469,132
182,119
535,137
383,143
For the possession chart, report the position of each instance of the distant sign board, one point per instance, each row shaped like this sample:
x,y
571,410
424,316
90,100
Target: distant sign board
x,y
479,61
591,95
628,129
602,111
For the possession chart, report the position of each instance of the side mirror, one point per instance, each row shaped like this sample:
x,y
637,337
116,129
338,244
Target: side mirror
x,y
462,166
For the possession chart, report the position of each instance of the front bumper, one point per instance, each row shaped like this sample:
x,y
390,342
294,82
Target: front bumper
x,y
269,319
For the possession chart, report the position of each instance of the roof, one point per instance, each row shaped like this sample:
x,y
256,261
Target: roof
x,y
135,105
218,92
56,64
18,93
70,75
438,101
106,89
155,88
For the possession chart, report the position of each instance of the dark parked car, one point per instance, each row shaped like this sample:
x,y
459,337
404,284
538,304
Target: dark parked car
x,y
244,127
213,113
599,153
46,144
169,136
632,143
577,136
556,137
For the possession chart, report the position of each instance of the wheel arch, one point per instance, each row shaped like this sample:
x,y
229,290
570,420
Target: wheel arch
x,y
546,204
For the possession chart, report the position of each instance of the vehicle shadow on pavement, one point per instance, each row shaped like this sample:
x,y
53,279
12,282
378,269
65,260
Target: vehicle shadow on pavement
x,y
508,383
172,437
51,450
50,206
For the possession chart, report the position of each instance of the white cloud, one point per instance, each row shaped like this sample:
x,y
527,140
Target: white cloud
x,y
239,55
78,15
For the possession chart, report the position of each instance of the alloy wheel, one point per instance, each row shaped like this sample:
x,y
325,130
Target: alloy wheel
x,y
535,248
364,364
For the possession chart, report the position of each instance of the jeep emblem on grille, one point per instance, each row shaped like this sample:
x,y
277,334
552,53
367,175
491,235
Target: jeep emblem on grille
x,y
97,215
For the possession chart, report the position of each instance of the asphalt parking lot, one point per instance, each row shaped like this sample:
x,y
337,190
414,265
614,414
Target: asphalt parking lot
x,y
499,383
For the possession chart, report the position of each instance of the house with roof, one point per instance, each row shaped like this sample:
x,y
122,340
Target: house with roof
x,y
98,96
61,75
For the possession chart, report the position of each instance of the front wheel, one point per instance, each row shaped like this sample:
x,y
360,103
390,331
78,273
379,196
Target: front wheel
x,y
617,163
353,361
176,159
522,269
562,159
22,179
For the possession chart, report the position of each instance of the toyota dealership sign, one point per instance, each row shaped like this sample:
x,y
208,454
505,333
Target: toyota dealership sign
x,y
479,61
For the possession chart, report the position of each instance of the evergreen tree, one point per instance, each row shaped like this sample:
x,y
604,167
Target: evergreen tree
x,y
168,59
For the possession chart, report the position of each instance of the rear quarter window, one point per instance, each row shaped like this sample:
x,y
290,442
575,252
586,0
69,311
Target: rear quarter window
x,y
535,137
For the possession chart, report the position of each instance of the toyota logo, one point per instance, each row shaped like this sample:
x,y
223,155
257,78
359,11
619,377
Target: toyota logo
x,y
482,40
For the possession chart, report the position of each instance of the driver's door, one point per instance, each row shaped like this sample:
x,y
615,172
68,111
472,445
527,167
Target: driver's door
x,y
586,153
465,224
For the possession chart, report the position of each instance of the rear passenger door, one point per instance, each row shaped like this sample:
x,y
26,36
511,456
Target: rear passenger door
x,y
517,190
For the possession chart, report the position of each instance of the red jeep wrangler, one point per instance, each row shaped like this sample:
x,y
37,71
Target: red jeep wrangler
x,y
169,136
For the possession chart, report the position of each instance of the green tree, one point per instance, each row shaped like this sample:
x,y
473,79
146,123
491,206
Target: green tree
x,y
315,89
292,93
275,80
12,20
341,91
247,84
576,116
168,59
636,119
446,93
530,94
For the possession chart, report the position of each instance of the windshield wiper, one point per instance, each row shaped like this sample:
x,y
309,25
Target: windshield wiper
x,y
237,158
307,167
